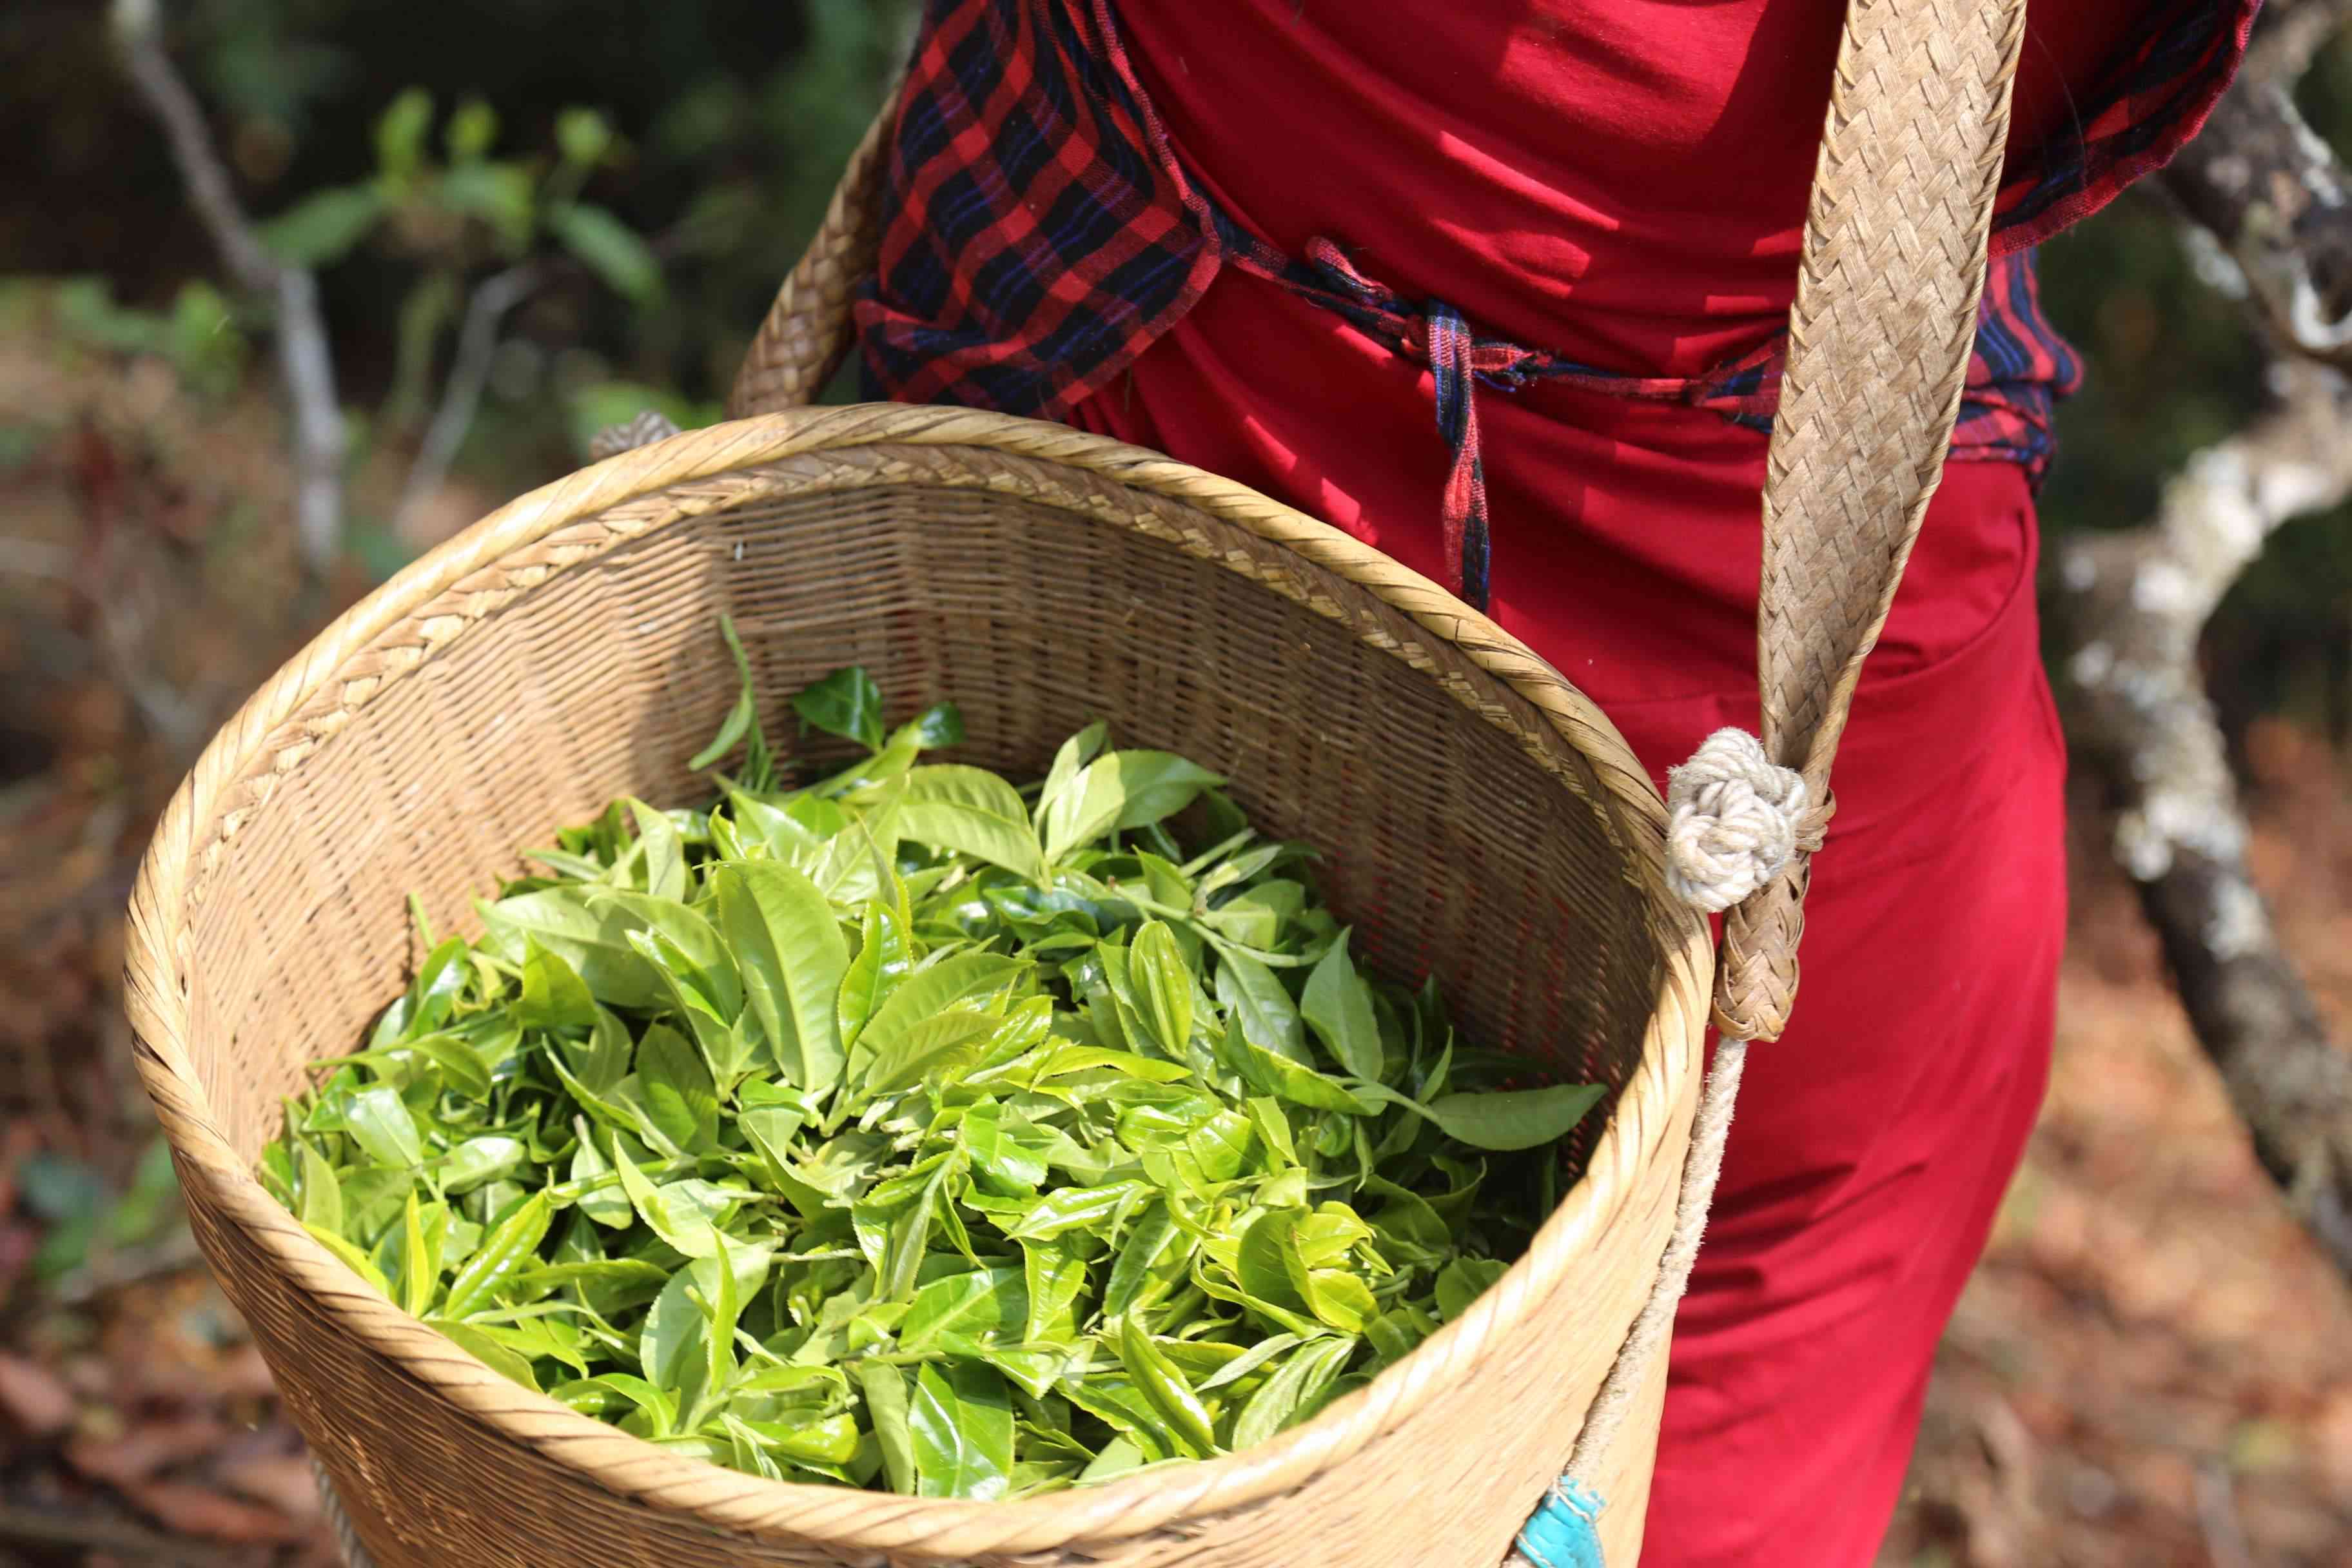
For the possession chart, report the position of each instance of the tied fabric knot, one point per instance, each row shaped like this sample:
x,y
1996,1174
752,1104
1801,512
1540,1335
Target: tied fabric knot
x,y
1435,333
1438,335
1735,819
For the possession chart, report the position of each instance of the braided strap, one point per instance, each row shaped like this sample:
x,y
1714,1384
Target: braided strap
x,y
807,335
1886,315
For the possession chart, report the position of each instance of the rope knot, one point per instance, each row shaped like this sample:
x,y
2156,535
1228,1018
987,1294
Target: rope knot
x,y
1735,819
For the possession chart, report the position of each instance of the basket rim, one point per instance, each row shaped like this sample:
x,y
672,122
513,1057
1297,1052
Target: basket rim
x,y
1650,1112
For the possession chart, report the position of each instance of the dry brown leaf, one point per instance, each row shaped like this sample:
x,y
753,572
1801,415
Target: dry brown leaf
x,y
192,1510
283,1482
144,1451
34,1398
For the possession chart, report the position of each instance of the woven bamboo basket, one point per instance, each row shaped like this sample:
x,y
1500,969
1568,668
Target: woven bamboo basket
x,y
1484,822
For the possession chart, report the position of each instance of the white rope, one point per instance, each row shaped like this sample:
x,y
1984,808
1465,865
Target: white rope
x,y
347,1540
1735,818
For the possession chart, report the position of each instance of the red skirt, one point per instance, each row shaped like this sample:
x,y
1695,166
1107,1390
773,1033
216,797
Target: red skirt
x,y
1874,1142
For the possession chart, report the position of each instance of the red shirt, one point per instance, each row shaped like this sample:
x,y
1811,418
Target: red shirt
x,y
1622,181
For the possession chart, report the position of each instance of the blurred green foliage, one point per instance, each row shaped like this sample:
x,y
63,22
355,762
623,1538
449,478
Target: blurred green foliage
x,y
679,156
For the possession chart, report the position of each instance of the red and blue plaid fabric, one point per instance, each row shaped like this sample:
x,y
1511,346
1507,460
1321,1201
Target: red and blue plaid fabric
x,y
1039,234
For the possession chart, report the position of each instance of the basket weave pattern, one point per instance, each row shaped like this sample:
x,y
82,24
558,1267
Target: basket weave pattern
x,y
1482,822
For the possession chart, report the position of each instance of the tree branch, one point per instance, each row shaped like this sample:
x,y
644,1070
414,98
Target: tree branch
x,y
305,365
2272,193
2130,610
478,342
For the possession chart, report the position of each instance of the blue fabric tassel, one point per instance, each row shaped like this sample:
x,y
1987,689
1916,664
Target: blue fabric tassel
x,y
1562,1533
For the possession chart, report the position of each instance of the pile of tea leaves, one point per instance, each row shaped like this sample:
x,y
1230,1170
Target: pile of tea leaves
x,y
908,1130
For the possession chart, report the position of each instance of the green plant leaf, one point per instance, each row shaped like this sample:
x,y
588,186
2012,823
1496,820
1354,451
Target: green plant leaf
x,y
676,1089
322,1195
1173,1398
882,962
1163,986
1259,1002
384,1128
1147,1242
511,1249
324,226
1514,1119
940,725
485,1348
1462,1281
420,1264
553,995
937,1044
884,1389
983,1303
960,1419
683,1213
1157,785
359,1262
664,851
471,131
933,990
1295,1392
401,130
971,811
1337,1006
794,957
846,703
588,929
1053,1274
584,136
500,194
483,1160
609,248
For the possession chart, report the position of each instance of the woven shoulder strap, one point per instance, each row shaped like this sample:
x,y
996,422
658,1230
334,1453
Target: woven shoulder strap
x,y
1894,265
1892,269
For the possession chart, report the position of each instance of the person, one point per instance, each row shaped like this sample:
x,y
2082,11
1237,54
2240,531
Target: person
x,y
1364,257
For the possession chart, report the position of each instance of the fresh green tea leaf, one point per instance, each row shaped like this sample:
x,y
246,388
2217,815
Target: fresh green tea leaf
x,y
984,1303
1339,1008
1163,986
793,958
883,962
969,810
582,925
675,1088
1514,1119
846,703
885,1388
889,1129
1293,1392
1261,1004
960,1419
384,1129
1462,1281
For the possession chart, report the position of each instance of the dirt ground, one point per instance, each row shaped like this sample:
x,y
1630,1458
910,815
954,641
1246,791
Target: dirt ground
x,y
2152,1366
